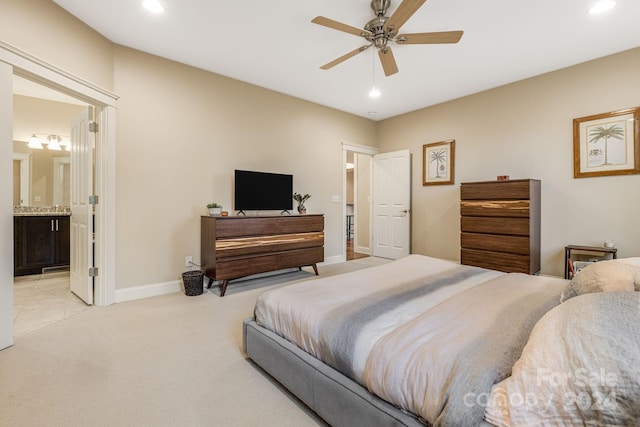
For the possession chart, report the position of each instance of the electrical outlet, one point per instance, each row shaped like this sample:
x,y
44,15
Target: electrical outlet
x,y
187,261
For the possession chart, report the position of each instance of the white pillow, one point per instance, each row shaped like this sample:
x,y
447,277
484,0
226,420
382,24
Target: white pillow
x,y
635,261
605,276
579,367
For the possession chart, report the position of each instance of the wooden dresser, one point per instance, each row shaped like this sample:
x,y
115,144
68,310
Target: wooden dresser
x,y
238,246
500,225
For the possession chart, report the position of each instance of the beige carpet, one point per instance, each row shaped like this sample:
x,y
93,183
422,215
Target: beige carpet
x,y
171,360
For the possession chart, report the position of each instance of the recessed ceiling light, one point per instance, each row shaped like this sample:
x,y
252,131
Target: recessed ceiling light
x,y
372,113
602,6
153,6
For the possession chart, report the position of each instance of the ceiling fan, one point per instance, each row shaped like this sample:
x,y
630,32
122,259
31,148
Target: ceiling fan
x,y
382,29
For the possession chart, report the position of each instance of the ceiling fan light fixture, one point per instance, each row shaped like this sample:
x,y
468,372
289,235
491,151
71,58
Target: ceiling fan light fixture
x,y
384,30
374,92
602,6
153,6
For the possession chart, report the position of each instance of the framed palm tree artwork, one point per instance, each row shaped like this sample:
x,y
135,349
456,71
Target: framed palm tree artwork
x,y
607,144
438,162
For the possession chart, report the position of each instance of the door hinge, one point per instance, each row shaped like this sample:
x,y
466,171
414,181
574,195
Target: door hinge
x,y
93,199
93,127
93,271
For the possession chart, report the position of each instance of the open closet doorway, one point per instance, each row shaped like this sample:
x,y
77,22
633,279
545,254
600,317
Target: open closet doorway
x,y
357,178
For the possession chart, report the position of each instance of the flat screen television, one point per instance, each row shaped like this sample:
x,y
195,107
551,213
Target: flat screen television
x,y
262,191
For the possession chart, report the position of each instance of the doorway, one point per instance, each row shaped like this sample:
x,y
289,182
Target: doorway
x,y
14,61
42,294
357,178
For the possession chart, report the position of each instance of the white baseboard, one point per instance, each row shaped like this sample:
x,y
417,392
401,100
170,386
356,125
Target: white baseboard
x,y
146,291
362,250
156,289
333,260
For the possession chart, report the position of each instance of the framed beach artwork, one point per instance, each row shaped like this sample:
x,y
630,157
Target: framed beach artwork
x,y
438,163
607,144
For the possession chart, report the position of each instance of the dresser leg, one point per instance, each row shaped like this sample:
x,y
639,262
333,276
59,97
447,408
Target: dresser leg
x,y
315,268
210,283
223,287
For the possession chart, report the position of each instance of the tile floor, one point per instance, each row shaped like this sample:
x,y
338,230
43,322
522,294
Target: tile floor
x,y
42,299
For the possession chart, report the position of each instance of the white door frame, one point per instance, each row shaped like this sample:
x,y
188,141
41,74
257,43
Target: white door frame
x,y
356,148
25,177
30,67
58,178
6,200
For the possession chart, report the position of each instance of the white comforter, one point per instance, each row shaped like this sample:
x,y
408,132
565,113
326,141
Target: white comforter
x,y
428,335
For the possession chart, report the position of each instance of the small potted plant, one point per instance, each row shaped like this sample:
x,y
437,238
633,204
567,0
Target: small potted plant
x,y
215,209
301,199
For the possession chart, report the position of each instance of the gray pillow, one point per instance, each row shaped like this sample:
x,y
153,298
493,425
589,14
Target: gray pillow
x,y
604,276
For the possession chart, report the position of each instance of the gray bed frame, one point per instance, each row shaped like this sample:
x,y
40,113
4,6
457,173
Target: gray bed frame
x,y
337,399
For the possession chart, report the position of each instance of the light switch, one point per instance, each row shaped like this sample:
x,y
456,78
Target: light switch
x,y
335,198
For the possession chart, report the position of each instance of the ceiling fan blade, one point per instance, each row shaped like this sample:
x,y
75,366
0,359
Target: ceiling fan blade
x,y
430,38
406,9
388,61
345,57
330,23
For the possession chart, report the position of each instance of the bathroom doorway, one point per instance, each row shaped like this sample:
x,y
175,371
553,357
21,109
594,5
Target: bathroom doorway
x,y
42,187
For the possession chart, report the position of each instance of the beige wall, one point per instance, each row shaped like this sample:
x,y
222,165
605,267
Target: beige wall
x,y
181,133
46,31
525,130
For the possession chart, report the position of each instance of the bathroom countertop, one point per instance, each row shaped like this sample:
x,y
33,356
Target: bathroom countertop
x,y
41,211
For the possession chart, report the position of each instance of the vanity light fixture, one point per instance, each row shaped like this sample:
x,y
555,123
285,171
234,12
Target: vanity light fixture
x,y
54,143
34,142
153,6
602,6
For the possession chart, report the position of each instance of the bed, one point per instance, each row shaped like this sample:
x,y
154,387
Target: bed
x,y
423,341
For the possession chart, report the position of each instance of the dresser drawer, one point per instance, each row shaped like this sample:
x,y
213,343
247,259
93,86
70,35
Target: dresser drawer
x,y
492,225
495,243
496,208
500,190
231,268
226,248
259,226
497,261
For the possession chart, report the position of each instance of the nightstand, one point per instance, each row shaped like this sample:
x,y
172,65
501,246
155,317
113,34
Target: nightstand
x,y
585,252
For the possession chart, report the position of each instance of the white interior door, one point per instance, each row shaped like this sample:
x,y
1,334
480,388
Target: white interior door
x,y
82,141
392,204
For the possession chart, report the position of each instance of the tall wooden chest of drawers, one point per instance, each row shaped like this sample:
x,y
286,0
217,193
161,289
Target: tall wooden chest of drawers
x,y
500,225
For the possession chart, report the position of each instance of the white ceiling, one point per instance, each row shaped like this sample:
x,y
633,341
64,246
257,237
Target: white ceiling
x,y
272,44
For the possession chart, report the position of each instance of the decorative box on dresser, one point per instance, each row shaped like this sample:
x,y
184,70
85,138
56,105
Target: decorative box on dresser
x,y
500,225
236,246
